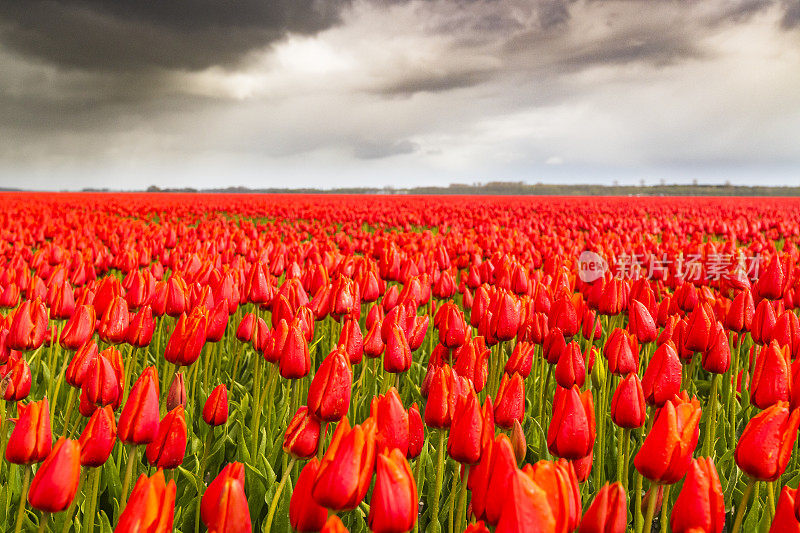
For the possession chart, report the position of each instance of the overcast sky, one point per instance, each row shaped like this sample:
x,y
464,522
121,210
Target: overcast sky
x,y
127,94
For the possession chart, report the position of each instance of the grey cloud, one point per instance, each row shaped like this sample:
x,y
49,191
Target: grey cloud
x,y
377,150
119,35
791,16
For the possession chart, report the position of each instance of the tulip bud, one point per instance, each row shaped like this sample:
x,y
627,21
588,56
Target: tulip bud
x,y
394,503
114,324
31,440
622,352
329,391
187,339
510,402
169,446
525,507
785,520
295,361
700,505
392,421
16,375
571,432
305,515
215,410
571,367
302,435
224,503
700,328
464,440
138,422
772,377
177,392
141,328
56,481
416,432
397,353
763,322
662,377
627,405
766,443
79,328
641,323
740,314
518,442
607,512
717,358
334,523
28,326
346,470
151,506
521,360
98,437
667,449
560,484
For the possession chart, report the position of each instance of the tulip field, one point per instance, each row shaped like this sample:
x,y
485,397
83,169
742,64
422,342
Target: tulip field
x,y
445,364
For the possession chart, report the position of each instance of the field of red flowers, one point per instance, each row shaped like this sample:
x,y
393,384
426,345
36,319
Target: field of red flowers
x,y
238,363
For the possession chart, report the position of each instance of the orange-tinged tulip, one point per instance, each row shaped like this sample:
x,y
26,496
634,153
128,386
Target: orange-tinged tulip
x,y
772,378
526,507
560,484
215,410
79,329
392,421
98,437
700,505
31,440
607,513
187,339
329,391
464,440
28,327
667,450
56,481
394,503
302,434
306,515
223,507
766,443
346,470
571,432
628,409
334,525
510,402
151,506
662,377
139,420
169,446
785,520
16,376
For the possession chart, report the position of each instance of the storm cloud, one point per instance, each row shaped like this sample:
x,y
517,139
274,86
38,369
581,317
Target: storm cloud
x,y
376,91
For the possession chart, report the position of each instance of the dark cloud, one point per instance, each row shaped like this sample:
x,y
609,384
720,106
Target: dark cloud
x,y
376,150
791,16
119,35
432,82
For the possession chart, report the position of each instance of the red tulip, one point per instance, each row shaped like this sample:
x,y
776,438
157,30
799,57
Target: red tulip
x,y
700,505
662,378
169,446
215,410
627,405
31,440
607,512
139,420
464,441
56,481
151,506
98,437
329,391
306,515
766,443
392,421
223,507
572,429
667,449
393,507
510,402
302,435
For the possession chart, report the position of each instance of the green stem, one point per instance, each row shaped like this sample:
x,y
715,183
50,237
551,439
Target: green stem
x,y
274,504
637,504
70,405
771,499
71,511
435,527
626,445
89,517
665,507
201,475
23,498
708,447
651,508
256,397
737,524
452,501
43,522
461,513
132,452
